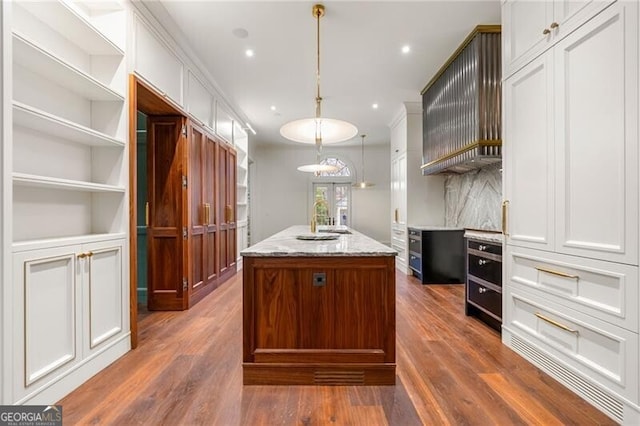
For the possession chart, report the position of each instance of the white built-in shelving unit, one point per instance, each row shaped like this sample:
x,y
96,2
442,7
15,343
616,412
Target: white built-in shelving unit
x,y
241,142
69,195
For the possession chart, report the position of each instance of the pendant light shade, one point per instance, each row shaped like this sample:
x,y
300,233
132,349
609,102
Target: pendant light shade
x,y
330,130
317,168
363,183
318,130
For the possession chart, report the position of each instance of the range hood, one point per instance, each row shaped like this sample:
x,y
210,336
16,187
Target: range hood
x,y
461,107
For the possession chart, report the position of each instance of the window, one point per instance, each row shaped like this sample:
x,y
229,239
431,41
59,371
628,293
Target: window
x,y
335,189
343,169
337,207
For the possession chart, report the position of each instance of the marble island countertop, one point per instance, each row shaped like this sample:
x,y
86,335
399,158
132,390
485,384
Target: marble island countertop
x,y
285,244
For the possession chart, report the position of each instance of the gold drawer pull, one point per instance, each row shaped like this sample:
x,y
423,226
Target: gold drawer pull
x,y
558,273
554,25
82,255
556,323
546,31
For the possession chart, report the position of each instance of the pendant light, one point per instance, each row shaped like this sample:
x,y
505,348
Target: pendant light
x,y
363,183
318,130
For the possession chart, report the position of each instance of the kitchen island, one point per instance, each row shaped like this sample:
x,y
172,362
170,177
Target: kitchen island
x,y
318,311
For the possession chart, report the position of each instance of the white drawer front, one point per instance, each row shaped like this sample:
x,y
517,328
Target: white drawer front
x,y
594,347
605,290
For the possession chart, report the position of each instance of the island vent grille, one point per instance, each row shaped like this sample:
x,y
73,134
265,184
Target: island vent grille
x,y
341,377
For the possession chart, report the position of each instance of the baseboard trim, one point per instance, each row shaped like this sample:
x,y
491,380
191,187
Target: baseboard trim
x,y
59,387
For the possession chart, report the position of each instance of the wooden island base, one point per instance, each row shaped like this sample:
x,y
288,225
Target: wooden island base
x,y
319,320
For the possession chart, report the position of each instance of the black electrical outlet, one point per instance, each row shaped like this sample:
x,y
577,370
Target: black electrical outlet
x,y
319,279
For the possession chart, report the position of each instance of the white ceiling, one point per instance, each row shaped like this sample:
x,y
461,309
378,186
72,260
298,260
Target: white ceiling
x,y
361,59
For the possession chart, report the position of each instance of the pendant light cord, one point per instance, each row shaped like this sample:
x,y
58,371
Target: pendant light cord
x,y
318,11
362,136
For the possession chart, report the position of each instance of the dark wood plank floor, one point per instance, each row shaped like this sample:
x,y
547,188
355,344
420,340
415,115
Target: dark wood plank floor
x,y
451,370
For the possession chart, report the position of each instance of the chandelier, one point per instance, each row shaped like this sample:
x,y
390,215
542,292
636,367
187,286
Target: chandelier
x,y
318,130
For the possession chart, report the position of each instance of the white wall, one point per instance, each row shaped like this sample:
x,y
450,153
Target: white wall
x,y
280,194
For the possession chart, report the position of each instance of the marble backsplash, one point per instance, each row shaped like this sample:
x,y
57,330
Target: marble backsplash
x,y
473,199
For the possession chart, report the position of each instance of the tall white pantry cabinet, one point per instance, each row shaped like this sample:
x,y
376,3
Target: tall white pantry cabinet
x,y
571,126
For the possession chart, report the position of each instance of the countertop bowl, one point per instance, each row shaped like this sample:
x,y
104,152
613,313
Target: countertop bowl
x,y
317,237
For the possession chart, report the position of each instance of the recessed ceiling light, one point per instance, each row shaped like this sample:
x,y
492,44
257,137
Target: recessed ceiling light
x,y
249,53
273,107
406,49
240,32
374,106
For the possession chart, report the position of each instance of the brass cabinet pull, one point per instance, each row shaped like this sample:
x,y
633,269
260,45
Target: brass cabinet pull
x,y
90,254
554,25
558,273
82,255
146,214
546,31
556,323
396,214
206,214
505,205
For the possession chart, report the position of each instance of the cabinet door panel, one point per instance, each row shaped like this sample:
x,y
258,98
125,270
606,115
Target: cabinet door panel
x,y
46,307
597,136
570,14
282,318
167,214
157,63
523,25
197,208
361,311
528,155
103,292
209,191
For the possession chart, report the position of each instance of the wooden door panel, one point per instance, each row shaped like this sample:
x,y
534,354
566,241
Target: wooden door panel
x,y
166,213
292,313
197,209
209,194
361,308
276,320
197,278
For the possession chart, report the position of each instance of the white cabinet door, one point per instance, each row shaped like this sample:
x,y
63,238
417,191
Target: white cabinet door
x,y
154,61
399,190
528,155
531,27
523,25
199,101
399,209
596,105
46,327
104,302
570,14
69,302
